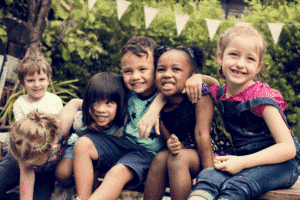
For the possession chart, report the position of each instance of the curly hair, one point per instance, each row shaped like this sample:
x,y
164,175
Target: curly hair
x,y
33,135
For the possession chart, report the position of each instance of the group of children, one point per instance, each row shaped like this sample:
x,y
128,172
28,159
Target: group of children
x,y
114,127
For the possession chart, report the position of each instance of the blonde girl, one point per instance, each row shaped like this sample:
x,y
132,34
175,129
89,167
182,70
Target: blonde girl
x,y
36,148
267,152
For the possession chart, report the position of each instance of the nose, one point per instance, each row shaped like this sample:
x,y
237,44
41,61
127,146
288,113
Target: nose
x,y
167,74
241,62
100,107
135,76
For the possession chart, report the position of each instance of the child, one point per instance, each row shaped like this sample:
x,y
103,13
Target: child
x,y
34,73
267,151
126,158
188,138
37,146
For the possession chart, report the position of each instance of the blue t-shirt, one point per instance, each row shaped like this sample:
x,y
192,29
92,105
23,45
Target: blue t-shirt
x,y
137,108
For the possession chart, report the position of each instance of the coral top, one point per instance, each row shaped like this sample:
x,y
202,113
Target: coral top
x,y
255,90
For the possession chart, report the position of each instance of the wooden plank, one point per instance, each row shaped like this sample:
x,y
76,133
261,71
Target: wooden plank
x,y
292,193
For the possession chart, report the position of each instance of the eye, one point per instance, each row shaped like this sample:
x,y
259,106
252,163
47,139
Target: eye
x,y
176,69
251,58
233,54
126,71
160,69
143,69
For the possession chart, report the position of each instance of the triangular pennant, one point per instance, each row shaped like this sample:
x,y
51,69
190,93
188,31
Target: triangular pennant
x,y
122,5
275,29
181,20
243,24
150,14
91,3
212,25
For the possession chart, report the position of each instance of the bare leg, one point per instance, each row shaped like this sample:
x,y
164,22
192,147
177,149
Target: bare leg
x,y
156,180
114,181
180,168
64,171
84,153
96,182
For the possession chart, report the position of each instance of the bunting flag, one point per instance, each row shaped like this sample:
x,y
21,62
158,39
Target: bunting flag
x,y
150,14
122,6
275,29
243,24
212,26
181,20
91,3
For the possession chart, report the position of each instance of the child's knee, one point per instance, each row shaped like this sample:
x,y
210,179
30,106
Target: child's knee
x,y
64,170
82,145
120,171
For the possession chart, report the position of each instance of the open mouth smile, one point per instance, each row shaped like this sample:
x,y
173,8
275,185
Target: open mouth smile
x,y
167,86
238,72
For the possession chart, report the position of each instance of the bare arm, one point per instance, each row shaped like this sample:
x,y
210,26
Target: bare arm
x,y
283,150
67,115
193,86
27,179
151,118
204,116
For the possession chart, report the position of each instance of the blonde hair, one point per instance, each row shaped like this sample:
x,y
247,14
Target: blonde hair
x,y
33,135
34,61
229,34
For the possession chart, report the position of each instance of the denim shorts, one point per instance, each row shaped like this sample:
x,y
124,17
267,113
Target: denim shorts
x,y
113,150
247,184
69,147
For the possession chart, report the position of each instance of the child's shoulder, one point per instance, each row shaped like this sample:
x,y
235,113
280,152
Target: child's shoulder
x,y
52,97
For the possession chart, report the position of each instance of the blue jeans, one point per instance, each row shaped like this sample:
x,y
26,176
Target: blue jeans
x,y
10,178
247,184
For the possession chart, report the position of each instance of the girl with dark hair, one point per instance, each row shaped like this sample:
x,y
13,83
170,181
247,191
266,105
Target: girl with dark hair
x,y
184,126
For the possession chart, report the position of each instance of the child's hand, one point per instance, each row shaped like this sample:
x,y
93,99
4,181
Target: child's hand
x,y
174,145
193,88
95,127
230,164
145,125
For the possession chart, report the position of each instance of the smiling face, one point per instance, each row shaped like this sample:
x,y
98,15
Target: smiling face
x,y
240,61
173,69
104,113
138,73
36,86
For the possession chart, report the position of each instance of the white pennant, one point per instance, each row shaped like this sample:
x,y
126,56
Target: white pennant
x,y
212,25
275,29
122,5
150,14
91,3
243,24
181,20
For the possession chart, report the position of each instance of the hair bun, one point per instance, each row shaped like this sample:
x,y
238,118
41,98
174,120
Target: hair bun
x,y
199,55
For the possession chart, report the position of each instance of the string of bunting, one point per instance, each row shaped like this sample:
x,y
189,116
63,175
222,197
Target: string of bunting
x,y
181,20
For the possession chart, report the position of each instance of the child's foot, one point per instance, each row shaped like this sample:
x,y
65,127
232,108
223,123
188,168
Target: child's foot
x,y
61,193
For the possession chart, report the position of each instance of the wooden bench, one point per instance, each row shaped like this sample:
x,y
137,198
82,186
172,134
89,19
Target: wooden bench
x,y
292,193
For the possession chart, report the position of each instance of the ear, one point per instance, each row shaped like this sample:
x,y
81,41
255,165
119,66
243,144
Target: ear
x,y
260,66
220,58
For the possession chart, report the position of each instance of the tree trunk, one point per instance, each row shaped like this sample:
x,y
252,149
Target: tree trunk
x,y
36,22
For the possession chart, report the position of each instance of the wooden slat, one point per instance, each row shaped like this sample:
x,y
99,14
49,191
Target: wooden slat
x,y
292,193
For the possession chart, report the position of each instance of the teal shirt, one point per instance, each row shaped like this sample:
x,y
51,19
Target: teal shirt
x,y
136,110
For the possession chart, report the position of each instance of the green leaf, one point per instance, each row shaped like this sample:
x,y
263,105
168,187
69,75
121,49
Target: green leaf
x,y
285,13
66,54
72,47
8,2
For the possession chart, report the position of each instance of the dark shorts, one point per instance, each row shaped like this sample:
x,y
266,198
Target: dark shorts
x,y
113,150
